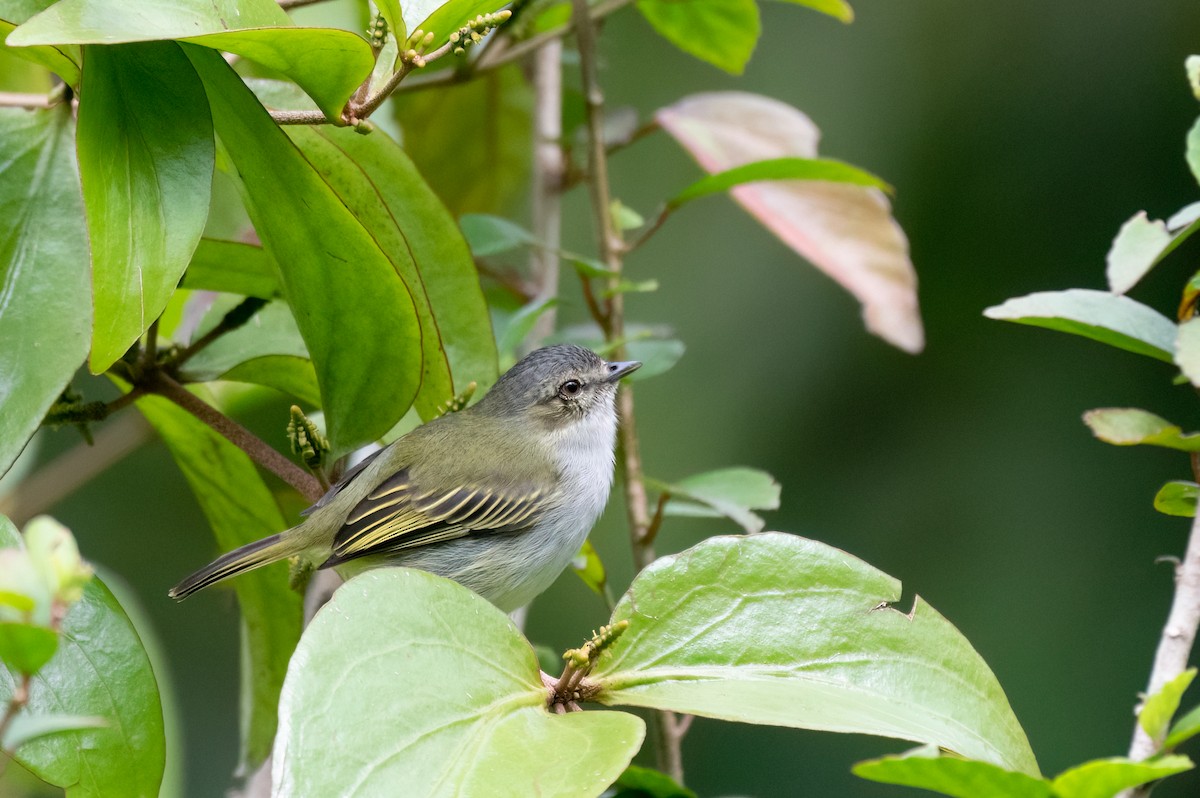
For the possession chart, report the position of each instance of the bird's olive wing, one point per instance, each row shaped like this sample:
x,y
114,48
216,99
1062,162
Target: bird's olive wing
x,y
400,515
350,474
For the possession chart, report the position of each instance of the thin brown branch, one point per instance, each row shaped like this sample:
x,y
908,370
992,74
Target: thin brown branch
x,y
235,318
77,466
235,433
1178,637
18,700
667,728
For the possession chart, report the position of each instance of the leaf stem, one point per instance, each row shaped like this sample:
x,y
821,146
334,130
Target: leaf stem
x,y
1178,636
547,180
667,728
18,700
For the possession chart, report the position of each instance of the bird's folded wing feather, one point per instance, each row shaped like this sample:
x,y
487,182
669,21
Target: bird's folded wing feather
x,y
401,515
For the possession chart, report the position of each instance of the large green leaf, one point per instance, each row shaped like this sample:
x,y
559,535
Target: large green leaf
x,y
240,509
63,61
378,183
721,32
327,63
781,630
267,350
1108,318
46,310
146,157
100,670
446,701
358,320
471,141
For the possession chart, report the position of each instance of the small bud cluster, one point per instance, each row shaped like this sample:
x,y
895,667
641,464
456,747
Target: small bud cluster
x,y
414,48
457,403
474,31
307,441
592,649
378,32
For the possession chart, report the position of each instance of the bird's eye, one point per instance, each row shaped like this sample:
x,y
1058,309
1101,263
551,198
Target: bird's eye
x,y
570,389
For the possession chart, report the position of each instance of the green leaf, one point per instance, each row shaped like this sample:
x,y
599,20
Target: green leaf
x,y
1129,426
1187,349
329,64
846,231
392,13
101,670
1139,246
443,18
728,492
588,566
26,727
62,61
471,141
631,287
232,267
240,509
43,242
449,702
778,169
721,32
25,647
513,330
950,775
838,9
331,269
1108,318
1177,498
146,158
10,537
1104,778
1156,713
779,630
267,350
491,235
377,182
1184,729
640,782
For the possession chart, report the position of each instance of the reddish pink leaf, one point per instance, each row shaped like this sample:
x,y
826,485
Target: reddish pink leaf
x,y
846,231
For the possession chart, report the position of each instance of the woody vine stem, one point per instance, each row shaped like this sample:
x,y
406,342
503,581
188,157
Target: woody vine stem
x,y
669,728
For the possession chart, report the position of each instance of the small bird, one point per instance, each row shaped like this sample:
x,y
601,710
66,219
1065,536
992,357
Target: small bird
x,y
498,497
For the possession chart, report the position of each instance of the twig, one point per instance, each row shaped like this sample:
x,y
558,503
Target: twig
x,y
1178,636
20,100
235,318
19,698
75,467
668,729
238,435
548,167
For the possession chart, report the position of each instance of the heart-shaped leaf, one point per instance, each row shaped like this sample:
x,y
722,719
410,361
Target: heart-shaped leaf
x,y
447,703
776,629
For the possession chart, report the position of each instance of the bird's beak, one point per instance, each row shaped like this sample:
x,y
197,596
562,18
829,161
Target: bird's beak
x,y
619,368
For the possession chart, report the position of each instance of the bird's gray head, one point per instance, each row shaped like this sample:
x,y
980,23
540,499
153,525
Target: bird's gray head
x,y
556,385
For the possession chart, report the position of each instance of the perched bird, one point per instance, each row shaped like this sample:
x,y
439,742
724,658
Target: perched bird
x,y
498,497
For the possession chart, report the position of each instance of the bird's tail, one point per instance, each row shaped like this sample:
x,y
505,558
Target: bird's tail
x,y
252,555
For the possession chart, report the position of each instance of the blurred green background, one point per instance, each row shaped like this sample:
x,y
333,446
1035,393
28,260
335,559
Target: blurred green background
x,y
1019,136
